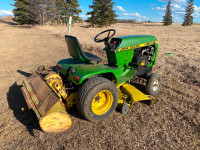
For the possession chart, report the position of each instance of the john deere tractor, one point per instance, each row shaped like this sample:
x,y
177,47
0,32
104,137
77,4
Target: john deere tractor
x,y
96,89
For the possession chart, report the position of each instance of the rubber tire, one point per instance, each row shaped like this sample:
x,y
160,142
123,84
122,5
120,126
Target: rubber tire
x,y
150,81
88,91
125,109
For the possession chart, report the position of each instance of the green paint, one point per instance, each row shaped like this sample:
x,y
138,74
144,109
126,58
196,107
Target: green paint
x,y
118,61
85,71
135,40
170,54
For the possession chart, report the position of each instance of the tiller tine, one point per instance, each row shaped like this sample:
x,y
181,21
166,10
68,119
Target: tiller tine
x,y
46,104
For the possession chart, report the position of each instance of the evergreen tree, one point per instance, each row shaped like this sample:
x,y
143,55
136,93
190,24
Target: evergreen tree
x,y
167,19
40,11
188,19
43,11
68,8
21,12
102,13
53,13
32,11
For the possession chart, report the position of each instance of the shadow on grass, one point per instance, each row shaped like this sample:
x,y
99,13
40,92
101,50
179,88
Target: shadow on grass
x,y
14,24
8,22
16,101
140,87
74,112
87,26
24,73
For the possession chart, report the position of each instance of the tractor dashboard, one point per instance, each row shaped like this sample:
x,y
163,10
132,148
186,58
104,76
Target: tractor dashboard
x,y
115,42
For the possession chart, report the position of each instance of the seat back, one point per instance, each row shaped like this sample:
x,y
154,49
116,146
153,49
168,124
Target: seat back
x,y
74,48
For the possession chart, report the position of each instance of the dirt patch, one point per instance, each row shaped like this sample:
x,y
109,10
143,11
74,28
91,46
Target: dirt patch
x,y
172,123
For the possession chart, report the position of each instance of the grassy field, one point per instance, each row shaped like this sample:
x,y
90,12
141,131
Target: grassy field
x,y
172,123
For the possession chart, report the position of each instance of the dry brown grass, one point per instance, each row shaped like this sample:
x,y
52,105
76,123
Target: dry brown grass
x,y
172,123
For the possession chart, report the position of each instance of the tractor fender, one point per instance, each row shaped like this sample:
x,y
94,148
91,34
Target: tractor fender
x,y
119,74
108,75
84,71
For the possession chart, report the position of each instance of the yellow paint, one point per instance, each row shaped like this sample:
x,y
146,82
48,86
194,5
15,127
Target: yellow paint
x,y
55,81
71,99
56,119
142,64
55,122
136,46
133,93
153,99
120,100
120,95
23,109
102,102
119,85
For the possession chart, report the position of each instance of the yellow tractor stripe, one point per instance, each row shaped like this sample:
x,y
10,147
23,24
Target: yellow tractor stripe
x,y
137,46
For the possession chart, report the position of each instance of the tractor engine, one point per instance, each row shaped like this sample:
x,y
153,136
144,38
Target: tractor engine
x,y
142,58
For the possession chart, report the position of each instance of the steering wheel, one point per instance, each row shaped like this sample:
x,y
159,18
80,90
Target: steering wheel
x,y
106,38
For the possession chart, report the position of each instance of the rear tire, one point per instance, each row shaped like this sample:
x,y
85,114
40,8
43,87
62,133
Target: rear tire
x,y
97,98
154,83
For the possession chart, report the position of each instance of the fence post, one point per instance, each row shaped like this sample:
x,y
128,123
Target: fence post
x,y
69,24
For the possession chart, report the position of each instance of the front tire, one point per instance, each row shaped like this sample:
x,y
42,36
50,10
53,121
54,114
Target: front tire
x,y
97,98
154,83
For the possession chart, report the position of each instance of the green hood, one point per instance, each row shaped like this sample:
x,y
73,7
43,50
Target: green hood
x,y
135,40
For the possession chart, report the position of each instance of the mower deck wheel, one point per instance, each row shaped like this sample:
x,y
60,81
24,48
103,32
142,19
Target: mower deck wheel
x,y
125,109
97,98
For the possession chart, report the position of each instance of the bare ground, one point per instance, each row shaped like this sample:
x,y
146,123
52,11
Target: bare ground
x,y
172,123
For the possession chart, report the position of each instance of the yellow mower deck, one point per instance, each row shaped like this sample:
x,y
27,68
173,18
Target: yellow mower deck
x,y
134,94
46,104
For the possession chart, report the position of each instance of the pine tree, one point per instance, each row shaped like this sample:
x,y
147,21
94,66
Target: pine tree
x,y
43,11
40,11
53,13
188,18
31,11
68,8
167,19
21,12
102,13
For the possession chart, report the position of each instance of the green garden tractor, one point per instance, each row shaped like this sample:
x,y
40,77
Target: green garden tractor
x,y
96,89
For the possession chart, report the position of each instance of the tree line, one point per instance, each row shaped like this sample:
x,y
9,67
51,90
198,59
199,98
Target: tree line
x,y
188,18
58,12
43,11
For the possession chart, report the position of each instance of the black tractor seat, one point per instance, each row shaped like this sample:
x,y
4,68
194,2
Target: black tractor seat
x,y
75,50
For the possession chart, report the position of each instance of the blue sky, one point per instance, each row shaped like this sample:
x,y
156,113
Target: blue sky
x,y
141,10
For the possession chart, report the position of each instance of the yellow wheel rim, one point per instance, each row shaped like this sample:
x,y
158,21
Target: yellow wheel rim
x,y
102,102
